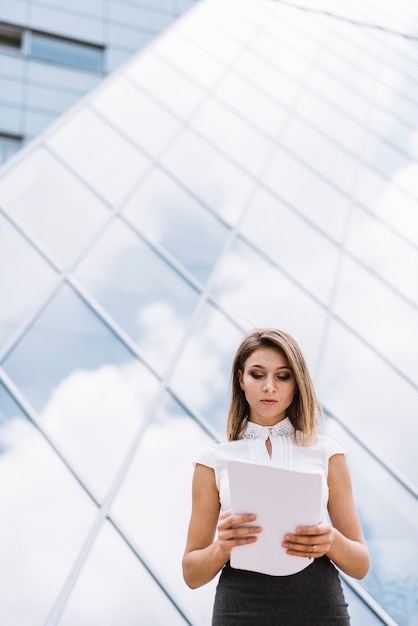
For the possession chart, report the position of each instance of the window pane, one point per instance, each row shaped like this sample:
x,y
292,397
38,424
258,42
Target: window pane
x,y
321,154
315,198
380,195
371,397
202,373
136,115
45,518
265,73
202,33
165,83
66,51
142,292
315,269
99,154
90,392
197,64
245,145
258,109
388,513
52,203
114,588
385,252
209,175
169,216
169,445
374,311
26,279
255,293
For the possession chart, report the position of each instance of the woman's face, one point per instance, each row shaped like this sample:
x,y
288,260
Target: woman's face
x,y
269,385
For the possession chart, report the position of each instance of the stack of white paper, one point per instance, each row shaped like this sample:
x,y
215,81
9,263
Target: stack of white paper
x,y
282,500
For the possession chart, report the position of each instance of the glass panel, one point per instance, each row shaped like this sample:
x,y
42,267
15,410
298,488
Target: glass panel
x,y
388,513
344,96
345,52
385,252
209,175
195,63
381,196
315,269
275,48
256,294
140,290
392,130
202,33
335,124
124,105
90,392
169,216
165,83
229,21
383,157
66,52
52,203
363,76
45,518
114,588
375,312
314,198
168,448
260,110
369,396
405,110
246,146
323,156
359,612
25,279
202,373
268,76
99,155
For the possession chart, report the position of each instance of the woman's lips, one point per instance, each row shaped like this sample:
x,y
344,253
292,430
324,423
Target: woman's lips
x,y
268,401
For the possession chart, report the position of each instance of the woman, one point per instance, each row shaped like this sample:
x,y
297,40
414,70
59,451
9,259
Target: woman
x,y
273,421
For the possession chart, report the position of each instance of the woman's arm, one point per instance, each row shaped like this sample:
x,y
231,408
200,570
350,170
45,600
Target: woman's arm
x,y
204,555
343,542
348,550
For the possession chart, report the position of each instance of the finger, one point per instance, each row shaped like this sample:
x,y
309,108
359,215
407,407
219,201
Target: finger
x,y
238,532
234,521
318,529
307,551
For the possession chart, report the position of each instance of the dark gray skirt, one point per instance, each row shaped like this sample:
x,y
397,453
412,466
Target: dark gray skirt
x,y
312,597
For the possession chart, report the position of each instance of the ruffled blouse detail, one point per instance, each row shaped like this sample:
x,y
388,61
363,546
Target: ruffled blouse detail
x,y
284,428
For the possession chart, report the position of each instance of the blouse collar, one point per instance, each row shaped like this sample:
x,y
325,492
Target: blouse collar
x,y
284,428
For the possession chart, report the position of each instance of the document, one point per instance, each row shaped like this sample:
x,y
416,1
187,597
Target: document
x,y
282,500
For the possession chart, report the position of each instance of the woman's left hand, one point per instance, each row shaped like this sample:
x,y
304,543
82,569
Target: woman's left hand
x,y
309,541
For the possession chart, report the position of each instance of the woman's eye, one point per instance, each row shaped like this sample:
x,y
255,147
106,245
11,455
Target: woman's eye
x,y
255,375
286,377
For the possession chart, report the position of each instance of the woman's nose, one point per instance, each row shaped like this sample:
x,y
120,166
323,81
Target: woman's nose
x,y
268,385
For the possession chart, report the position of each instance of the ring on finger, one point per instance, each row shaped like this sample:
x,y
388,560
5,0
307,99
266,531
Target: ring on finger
x,y
313,548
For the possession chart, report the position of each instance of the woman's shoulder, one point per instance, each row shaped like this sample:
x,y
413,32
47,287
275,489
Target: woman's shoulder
x,y
217,452
329,445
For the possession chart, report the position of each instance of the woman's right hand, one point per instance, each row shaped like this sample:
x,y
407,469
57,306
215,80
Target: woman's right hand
x,y
236,530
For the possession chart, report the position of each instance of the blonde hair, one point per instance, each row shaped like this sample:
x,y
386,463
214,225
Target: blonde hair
x,y
304,410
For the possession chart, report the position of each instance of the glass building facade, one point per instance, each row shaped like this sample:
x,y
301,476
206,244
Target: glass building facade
x,y
255,165
54,51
